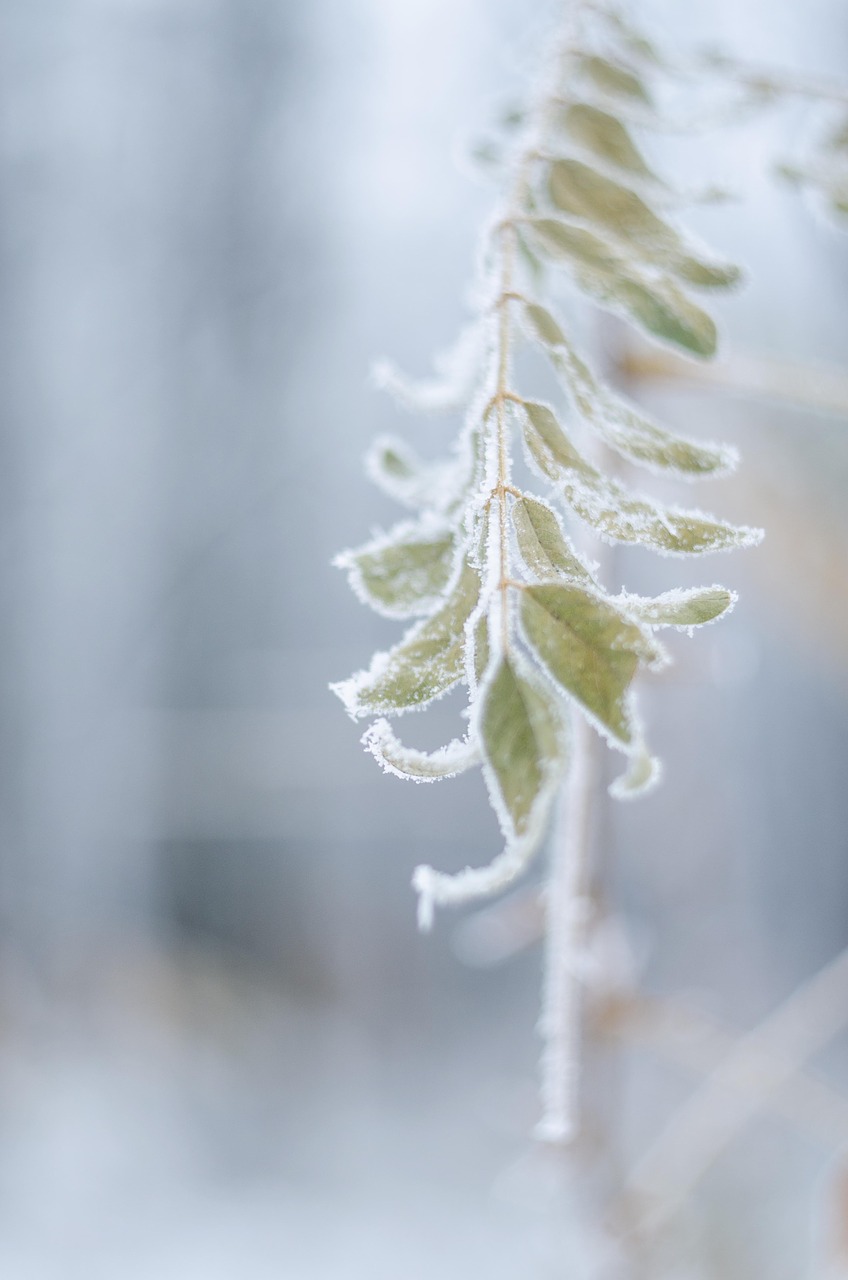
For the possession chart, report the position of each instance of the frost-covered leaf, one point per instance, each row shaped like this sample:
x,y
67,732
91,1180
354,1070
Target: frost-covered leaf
x,y
683,607
619,424
419,766
580,191
549,446
605,136
589,647
607,506
404,572
544,547
427,662
642,774
401,474
522,746
613,79
654,302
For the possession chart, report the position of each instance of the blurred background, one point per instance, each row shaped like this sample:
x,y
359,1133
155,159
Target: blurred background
x,y
224,1048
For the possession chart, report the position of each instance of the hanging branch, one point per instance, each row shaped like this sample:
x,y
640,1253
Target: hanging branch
x,y
506,604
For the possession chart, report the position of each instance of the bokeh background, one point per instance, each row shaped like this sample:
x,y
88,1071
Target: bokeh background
x,y
224,1049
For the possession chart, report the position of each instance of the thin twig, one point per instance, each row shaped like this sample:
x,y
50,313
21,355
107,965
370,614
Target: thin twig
x,y
696,1135
818,387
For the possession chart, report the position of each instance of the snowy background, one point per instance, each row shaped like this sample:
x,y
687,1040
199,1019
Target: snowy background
x,y
224,1049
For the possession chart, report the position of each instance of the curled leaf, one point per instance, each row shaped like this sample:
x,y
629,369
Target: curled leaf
x,y
544,547
419,766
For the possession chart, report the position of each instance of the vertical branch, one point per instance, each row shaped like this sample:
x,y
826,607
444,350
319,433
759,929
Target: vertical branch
x,y
567,910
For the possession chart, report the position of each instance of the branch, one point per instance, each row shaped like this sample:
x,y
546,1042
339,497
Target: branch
x,y
818,387
758,1069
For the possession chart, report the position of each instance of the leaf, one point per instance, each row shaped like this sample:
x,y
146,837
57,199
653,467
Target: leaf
x,y
418,766
549,446
589,647
682,607
522,747
400,473
619,424
658,305
608,508
543,545
579,190
425,665
604,135
614,79
405,572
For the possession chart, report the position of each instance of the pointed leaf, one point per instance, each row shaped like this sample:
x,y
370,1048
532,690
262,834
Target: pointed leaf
x,y
681,608
589,647
605,135
426,663
613,79
619,424
544,547
657,304
405,572
609,509
522,747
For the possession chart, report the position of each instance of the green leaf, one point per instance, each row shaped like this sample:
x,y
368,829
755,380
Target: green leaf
x,y
613,79
681,608
543,546
619,424
522,747
607,506
589,647
606,136
579,190
426,663
549,446
657,304
403,573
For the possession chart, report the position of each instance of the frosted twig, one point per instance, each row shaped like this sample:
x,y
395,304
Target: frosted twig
x,y
567,910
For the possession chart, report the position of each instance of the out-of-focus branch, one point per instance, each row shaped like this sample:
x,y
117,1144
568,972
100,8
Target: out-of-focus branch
x,y
747,1079
818,387
699,1043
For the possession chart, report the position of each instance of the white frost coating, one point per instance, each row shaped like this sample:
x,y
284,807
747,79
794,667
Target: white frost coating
x,y
554,768
418,766
457,368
